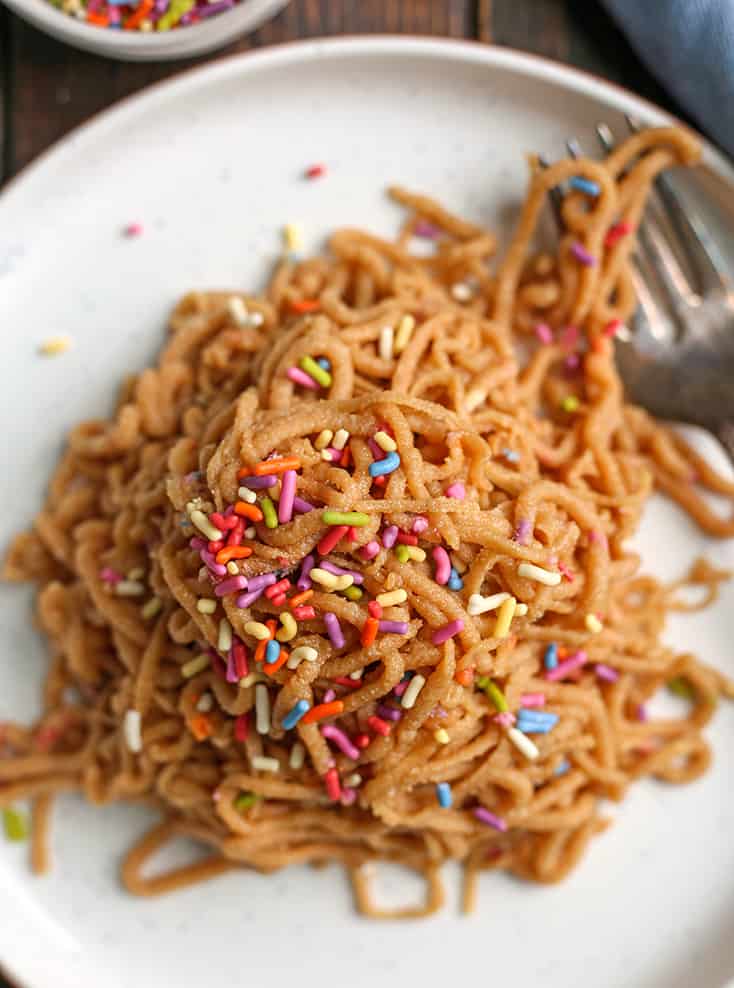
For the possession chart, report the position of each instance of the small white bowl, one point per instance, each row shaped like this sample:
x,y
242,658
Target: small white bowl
x,y
136,46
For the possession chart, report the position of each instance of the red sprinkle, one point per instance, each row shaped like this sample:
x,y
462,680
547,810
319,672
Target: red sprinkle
x,y
215,547
242,727
616,233
352,534
362,741
223,524
379,481
241,665
348,681
329,541
306,305
375,609
315,171
378,725
333,786
304,613
276,589
406,538
612,327
237,533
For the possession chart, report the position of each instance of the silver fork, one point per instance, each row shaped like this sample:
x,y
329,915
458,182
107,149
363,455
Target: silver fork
x,y
676,356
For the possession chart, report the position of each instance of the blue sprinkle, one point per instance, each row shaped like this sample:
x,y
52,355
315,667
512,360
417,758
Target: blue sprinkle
x,y
536,717
532,728
550,659
272,651
584,185
454,581
511,455
324,362
562,768
294,714
386,465
443,792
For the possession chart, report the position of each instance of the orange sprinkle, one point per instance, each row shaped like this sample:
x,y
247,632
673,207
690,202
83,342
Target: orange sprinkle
x,y
270,668
262,645
134,21
465,677
278,464
322,710
300,598
201,727
233,552
250,511
306,305
346,457
369,631
101,20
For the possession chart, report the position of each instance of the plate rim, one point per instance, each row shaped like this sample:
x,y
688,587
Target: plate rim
x,y
22,969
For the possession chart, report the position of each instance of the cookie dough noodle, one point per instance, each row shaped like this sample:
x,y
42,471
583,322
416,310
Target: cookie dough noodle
x,y
393,439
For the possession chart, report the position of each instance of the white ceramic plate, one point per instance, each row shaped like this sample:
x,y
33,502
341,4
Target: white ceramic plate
x,y
212,165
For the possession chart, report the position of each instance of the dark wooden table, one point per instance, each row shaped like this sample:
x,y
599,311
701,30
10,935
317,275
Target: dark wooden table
x,y
46,88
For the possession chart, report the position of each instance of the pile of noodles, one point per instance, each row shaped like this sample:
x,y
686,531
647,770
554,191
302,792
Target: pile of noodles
x,y
472,398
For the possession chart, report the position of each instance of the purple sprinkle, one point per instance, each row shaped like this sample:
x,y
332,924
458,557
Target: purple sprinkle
x,y
262,581
576,661
523,531
232,585
231,674
212,564
109,575
606,672
301,507
328,696
582,255
441,635
198,544
572,361
259,483
388,713
394,627
426,230
641,712
340,571
334,630
389,536
249,598
483,814
304,580
214,8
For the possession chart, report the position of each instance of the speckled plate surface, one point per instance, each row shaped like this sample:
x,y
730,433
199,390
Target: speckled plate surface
x,y
211,165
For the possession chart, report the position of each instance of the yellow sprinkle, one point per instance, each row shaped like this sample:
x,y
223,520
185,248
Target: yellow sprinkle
x,y
323,439
289,630
233,568
442,735
504,617
150,608
343,582
303,653
201,521
297,756
54,345
292,236
252,679
521,610
206,605
398,596
593,624
385,442
570,403
237,310
136,574
129,588
258,630
403,334
323,577
194,666
224,638
416,553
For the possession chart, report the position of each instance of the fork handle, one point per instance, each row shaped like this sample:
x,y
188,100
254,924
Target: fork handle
x,y
725,435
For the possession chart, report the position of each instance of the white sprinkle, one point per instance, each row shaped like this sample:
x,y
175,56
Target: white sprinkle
x,y
392,597
353,780
532,572
194,666
357,674
132,731
250,532
386,442
237,310
129,588
262,764
206,605
245,494
262,709
411,694
480,605
256,318
387,337
205,703
461,291
298,753
302,653
323,439
521,610
340,440
150,608
523,743
201,521
474,398
593,624
224,639
232,568
54,346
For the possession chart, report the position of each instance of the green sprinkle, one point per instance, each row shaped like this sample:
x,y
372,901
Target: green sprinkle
x,y
317,372
353,593
680,687
356,518
570,404
402,553
245,801
16,827
269,513
494,693
174,14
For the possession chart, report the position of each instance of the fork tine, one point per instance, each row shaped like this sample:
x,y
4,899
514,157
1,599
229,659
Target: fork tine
x,y
695,241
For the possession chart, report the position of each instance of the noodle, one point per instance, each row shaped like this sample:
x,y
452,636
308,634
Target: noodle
x,y
473,461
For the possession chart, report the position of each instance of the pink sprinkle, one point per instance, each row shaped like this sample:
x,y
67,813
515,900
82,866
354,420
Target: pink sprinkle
x,y
441,635
329,695
522,531
315,171
565,571
420,525
576,661
333,455
606,672
443,565
333,785
641,712
341,740
613,327
287,496
505,719
109,575
572,362
483,814
233,585
348,796
370,550
456,490
426,230
377,452
582,255
133,229
231,674
544,333
299,376
401,687
532,699
597,537
569,338
389,536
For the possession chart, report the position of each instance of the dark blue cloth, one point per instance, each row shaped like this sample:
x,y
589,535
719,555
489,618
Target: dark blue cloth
x,y
689,46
